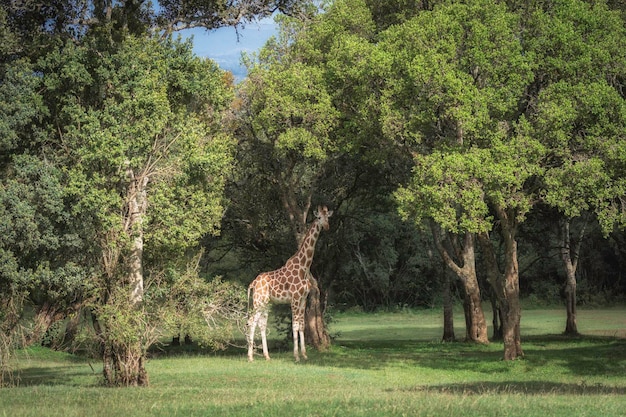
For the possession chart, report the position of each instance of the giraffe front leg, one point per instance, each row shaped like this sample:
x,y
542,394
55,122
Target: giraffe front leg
x,y
302,343
295,341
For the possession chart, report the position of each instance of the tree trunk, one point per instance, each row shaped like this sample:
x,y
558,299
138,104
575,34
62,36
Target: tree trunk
x,y
476,329
476,326
570,264
315,333
571,328
71,330
124,357
448,306
496,320
493,277
511,321
137,206
124,366
508,289
505,286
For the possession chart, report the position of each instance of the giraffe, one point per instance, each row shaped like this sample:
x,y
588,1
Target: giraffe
x,y
289,284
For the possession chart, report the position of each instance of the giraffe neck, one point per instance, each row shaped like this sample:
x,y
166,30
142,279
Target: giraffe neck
x,y
304,256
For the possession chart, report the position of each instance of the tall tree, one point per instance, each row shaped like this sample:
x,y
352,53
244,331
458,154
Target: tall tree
x,y
40,253
304,81
578,111
285,121
129,127
455,77
145,167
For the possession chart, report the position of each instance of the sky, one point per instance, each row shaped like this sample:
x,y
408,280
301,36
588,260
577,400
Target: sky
x,y
222,45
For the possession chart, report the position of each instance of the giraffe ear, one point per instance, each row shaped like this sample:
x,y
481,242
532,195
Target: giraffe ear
x,y
330,213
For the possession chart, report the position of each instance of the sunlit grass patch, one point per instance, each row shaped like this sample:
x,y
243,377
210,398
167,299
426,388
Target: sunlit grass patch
x,y
365,373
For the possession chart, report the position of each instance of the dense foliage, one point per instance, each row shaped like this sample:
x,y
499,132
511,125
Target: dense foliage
x,y
113,168
484,137
490,122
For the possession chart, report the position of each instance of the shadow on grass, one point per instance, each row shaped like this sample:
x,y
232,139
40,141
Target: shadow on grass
x,y
74,375
516,387
378,355
583,356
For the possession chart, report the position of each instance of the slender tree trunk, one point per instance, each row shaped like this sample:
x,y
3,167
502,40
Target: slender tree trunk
x,y
496,320
570,264
315,333
508,289
571,327
137,206
448,306
511,312
493,277
476,326
71,330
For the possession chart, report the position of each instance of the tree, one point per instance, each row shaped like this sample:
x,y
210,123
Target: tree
x,y
579,113
129,127
452,96
304,80
184,14
137,17
40,252
285,120
146,165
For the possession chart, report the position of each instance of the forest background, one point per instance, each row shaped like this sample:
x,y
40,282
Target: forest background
x,y
470,149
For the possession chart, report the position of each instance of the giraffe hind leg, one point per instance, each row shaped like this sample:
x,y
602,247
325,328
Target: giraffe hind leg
x,y
252,323
298,330
263,326
258,318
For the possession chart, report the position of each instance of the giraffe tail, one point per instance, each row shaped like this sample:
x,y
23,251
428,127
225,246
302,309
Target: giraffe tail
x,y
249,290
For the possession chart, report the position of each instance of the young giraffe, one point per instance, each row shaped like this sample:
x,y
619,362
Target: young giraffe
x,y
289,284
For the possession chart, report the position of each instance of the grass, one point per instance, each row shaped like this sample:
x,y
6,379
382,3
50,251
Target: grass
x,y
387,364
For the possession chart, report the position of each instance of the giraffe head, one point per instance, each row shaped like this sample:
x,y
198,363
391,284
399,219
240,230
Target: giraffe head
x,y
322,214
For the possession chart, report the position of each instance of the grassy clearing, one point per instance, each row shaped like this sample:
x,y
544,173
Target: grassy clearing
x,y
380,364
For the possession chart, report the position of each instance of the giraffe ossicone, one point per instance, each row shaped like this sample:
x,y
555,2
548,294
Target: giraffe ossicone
x,y
289,284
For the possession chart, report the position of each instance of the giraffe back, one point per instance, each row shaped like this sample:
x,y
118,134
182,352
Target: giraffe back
x,y
280,286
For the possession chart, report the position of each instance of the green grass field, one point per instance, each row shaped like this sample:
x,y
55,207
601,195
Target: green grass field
x,y
387,364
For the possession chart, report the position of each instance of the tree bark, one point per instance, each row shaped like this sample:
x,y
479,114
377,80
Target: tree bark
x,y
316,333
448,306
507,288
570,258
493,277
496,321
124,360
137,207
476,326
